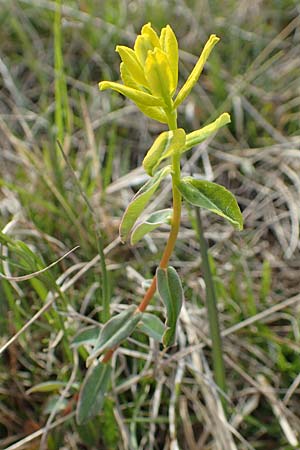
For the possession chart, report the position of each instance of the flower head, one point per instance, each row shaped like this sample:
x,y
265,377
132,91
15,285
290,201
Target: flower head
x,y
149,72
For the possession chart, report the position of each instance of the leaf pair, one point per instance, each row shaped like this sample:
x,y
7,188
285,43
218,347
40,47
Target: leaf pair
x,y
176,141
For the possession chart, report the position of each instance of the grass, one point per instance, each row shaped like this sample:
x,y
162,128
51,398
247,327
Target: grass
x,y
49,78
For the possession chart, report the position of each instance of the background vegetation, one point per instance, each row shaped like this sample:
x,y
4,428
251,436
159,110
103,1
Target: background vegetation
x,y
49,70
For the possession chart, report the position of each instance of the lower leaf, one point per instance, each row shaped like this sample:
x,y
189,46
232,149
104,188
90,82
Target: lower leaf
x,y
170,290
92,393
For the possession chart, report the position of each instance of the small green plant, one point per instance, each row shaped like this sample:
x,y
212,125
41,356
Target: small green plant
x,y
149,73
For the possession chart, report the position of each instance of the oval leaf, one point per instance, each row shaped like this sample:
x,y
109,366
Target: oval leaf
x,y
93,390
170,290
165,145
152,326
139,201
213,197
115,331
153,221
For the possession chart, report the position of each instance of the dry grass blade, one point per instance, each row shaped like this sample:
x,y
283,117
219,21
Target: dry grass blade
x,y
23,443
279,411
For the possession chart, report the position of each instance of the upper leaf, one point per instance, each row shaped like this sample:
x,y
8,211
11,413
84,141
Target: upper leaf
x,y
146,41
213,197
135,95
169,45
196,72
159,75
139,201
150,223
198,136
132,64
165,145
170,290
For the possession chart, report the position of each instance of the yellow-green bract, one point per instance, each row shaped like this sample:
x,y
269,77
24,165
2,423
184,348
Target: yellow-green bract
x,y
149,72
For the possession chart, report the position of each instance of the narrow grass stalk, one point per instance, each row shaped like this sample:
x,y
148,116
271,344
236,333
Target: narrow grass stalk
x,y
62,111
105,286
211,302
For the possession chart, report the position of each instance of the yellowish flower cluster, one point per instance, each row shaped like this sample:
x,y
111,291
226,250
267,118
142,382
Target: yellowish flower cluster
x,y
149,72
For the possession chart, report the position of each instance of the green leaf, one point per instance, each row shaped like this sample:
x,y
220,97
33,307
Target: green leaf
x,y
115,331
213,197
88,335
165,145
139,201
93,390
196,72
151,222
152,326
198,136
170,290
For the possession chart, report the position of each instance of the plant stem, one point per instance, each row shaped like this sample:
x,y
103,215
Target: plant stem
x,y
211,303
175,220
173,232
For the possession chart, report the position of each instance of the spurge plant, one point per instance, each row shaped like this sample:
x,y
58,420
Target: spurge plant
x,y
149,73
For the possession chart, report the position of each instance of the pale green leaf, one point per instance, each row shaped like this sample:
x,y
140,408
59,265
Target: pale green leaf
x,y
92,393
150,223
198,136
164,146
213,197
115,331
152,326
170,290
139,202
196,72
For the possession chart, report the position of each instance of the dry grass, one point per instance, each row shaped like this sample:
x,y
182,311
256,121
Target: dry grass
x,y
159,400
